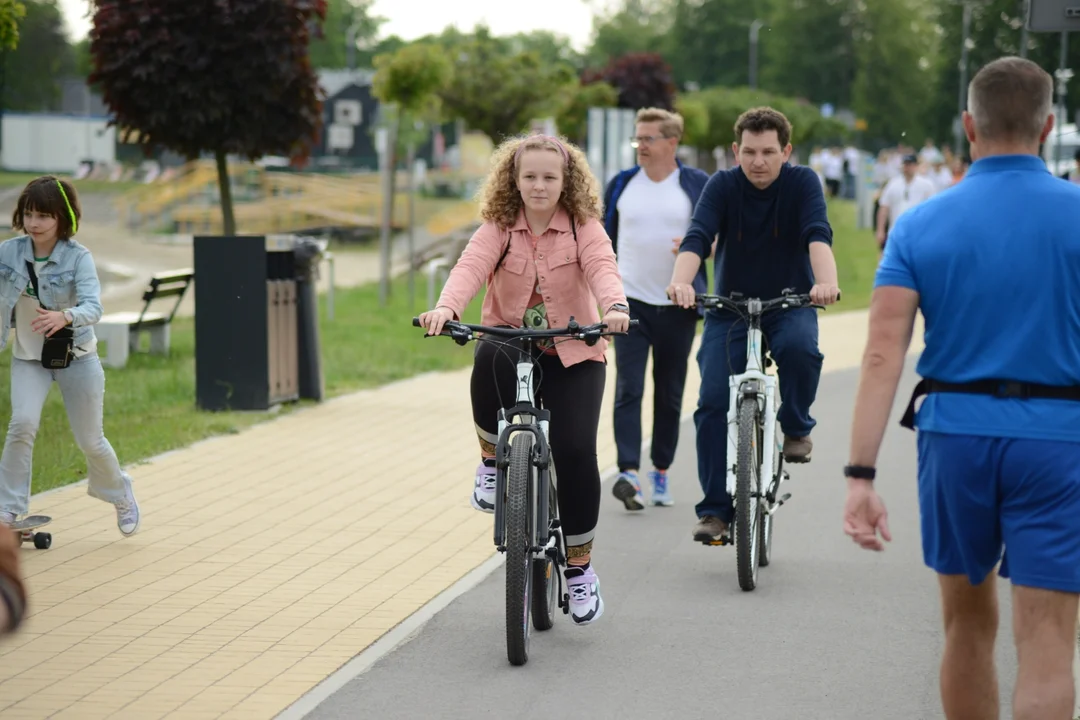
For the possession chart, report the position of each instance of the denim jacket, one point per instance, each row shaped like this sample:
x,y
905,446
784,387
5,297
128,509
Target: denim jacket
x,y
68,281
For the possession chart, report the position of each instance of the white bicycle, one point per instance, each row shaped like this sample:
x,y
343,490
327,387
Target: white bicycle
x,y
752,429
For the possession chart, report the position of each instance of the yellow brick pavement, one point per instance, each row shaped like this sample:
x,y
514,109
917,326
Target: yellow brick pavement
x,y
268,558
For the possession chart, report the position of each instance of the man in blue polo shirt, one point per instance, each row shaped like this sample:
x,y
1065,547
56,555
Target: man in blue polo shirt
x,y
993,263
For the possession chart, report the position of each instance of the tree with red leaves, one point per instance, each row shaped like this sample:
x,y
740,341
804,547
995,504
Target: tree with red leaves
x,y
642,79
210,76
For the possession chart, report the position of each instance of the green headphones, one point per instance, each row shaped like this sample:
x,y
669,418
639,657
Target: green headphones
x,y
71,213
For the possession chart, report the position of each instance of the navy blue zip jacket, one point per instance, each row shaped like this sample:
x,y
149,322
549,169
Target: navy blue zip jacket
x,y
764,235
691,180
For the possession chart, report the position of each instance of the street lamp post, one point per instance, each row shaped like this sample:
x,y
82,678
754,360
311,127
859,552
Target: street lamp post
x,y
1062,75
350,45
755,27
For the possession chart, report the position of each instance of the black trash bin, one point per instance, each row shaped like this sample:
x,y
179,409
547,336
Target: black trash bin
x,y
308,253
256,322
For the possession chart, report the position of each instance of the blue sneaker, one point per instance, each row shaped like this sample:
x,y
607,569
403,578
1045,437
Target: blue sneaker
x,y
627,489
660,494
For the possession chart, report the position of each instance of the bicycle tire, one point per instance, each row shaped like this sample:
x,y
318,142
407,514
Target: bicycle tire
x,y
747,486
545,586
520,516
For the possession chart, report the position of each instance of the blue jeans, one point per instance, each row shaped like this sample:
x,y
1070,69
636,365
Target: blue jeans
x,y
792,338
668,330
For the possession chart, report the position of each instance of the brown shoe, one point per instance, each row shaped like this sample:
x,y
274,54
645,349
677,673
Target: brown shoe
x,y
709,529
797,450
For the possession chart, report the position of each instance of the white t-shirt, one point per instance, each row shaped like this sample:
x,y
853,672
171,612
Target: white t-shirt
x,y
899,195
27,344
832,166
651,216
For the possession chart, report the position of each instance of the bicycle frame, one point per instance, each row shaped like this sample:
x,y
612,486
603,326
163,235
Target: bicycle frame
x,y
759,386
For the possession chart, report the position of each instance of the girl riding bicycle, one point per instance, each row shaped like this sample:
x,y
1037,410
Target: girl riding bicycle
x,y
545,257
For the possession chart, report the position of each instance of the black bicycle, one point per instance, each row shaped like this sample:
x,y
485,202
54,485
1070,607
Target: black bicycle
x,y
527,526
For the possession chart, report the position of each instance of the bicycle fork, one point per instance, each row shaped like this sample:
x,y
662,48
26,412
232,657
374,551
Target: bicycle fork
x,y
748,388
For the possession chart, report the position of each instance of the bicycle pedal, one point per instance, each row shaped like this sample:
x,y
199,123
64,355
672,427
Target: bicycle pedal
x,y
724,540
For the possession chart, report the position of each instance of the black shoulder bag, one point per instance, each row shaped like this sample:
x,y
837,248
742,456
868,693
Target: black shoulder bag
x,y
57,350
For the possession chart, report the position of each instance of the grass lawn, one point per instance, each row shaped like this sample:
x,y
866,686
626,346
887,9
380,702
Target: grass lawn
x,y
10,180
150,404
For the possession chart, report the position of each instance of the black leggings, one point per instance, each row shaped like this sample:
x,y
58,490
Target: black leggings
x,y
573,395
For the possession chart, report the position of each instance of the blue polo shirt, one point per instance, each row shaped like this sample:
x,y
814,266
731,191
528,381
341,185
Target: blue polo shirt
x,y
996,262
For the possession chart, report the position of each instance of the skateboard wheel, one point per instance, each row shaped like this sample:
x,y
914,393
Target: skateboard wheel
x,y
43,541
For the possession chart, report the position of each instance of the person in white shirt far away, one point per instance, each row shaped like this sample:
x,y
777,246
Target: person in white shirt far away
x,y
900,194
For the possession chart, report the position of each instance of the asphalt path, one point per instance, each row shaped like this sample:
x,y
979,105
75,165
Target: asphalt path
x,y
831,632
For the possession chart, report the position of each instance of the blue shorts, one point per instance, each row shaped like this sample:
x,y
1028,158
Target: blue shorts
x,y
980,495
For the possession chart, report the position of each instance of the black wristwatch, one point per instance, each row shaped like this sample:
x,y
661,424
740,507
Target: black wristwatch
x,y
859,472
620,307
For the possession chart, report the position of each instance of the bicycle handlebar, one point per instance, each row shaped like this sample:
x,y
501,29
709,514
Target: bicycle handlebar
x,y
464,332
740,304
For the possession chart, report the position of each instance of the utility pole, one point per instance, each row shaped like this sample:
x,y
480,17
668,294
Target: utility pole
x,y
755,28
1062,75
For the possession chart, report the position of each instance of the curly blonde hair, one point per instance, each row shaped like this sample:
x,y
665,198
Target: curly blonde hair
x,y
500,200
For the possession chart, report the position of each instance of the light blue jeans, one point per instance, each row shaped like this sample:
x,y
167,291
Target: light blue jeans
x,y
82,385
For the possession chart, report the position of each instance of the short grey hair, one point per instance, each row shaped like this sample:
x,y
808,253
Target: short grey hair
x,y
1010,99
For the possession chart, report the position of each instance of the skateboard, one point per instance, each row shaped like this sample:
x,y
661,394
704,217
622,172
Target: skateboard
x,y
25,530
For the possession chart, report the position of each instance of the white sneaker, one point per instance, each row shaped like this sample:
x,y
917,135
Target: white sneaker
x,y
586,605
483,496
127,513
7,518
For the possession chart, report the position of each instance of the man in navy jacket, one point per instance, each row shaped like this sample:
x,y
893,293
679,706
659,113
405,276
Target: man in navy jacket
x,y
647,210
774,234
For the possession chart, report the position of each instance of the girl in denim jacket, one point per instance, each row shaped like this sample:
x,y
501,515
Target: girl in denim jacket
x,y
545,257
70,295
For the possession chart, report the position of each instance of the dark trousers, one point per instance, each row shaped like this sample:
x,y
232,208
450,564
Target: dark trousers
x,y
573,395
792,339
669,332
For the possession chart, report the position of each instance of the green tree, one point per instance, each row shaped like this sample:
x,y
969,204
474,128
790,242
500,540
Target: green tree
x,y
895,55
550,47
220,78
329,49
498,91
637,26
709,42
695,116
572,117
11,12
32,70
811,50
723,106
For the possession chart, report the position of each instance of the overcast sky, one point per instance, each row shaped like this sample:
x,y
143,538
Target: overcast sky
x,y
411,19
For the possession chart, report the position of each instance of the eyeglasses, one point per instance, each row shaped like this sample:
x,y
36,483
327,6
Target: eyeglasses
x,y
635,142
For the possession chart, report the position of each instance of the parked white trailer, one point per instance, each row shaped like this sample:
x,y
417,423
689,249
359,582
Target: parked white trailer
x,y
51,143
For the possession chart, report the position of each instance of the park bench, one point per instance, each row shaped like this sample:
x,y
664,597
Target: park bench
x,y
123,331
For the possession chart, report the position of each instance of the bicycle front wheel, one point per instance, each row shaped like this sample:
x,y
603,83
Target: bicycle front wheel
x,y
748,507
520,519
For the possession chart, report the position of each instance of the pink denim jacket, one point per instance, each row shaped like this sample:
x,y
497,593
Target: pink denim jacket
x,y
572,275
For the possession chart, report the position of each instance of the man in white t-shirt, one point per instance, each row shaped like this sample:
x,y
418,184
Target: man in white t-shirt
x,y
900,194
832,167
647,209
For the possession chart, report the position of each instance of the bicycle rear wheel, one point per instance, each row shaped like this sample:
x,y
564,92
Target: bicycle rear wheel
x,y
545,584
520,519
748,507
